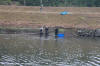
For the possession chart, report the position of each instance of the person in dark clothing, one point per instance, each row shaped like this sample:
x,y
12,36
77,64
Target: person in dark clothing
x,y
41,31
46,31
56,31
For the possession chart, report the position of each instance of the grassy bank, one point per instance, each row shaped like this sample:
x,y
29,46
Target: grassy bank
x,y
31,17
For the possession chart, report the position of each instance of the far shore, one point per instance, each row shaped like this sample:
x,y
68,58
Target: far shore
x,y
31,17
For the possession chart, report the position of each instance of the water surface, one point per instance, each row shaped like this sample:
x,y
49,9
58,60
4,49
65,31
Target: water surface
x,y
31,50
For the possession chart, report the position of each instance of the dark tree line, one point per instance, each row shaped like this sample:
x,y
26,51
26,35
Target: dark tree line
x,y
57,3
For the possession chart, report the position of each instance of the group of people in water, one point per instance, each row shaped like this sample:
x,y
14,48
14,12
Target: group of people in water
x,y
45,30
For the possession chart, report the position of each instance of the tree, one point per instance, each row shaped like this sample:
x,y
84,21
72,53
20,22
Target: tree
x,y
74,3
97,3
5,2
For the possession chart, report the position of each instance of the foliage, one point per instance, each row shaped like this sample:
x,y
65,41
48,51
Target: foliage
x,y
75,3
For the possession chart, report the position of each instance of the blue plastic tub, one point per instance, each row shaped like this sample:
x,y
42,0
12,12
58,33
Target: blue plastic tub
x,y
60,35
64,13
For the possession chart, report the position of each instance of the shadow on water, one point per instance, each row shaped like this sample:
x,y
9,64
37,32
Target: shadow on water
x,y
35,50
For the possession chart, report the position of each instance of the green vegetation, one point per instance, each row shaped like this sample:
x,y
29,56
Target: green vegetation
x,y
57,3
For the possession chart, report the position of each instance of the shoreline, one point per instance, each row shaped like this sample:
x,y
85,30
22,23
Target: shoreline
x,y
82,32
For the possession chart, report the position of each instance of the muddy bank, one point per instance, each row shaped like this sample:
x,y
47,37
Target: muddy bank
x,y
17,30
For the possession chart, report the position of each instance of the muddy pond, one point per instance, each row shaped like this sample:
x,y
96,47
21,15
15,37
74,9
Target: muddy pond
x,y
33,50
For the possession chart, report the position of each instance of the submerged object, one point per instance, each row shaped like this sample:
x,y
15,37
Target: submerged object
x,y
61,30
97,32
64,13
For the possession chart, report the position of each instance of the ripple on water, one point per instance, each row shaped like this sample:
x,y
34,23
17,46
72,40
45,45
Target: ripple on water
x,y
24,50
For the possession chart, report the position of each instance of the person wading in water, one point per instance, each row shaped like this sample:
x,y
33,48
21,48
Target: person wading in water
x,y
41,31
56,31
46,31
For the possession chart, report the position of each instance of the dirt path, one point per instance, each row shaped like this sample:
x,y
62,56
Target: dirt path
x,y
47,12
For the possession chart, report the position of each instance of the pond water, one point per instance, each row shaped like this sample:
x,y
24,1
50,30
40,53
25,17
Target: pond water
x,y
31,50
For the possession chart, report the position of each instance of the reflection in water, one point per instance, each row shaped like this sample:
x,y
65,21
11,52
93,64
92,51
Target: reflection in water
x,y
29,50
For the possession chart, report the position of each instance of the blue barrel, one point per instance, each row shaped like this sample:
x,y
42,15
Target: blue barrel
x,y
60,35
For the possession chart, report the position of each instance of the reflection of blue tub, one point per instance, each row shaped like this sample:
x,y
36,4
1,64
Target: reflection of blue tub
x,y
60,35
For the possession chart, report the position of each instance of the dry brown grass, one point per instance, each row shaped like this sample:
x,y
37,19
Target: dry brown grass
x,y
21,16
